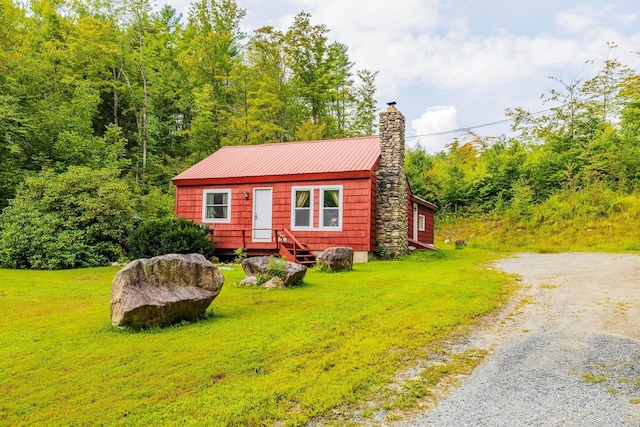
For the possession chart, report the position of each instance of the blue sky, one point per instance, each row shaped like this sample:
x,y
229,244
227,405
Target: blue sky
x,y
453,64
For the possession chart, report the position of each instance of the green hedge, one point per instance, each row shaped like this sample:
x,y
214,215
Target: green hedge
x,y
169,235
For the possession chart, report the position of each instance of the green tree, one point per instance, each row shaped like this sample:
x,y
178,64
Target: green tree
x,y
602,89
119,85
340,91
307,57
419,167
309,131
79,218
211,50
363,119
141,12
266,89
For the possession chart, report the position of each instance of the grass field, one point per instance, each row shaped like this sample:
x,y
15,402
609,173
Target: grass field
x,y
592,220
259,357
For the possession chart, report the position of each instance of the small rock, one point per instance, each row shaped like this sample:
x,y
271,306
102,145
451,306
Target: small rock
x,y
461,243
249,281
274,283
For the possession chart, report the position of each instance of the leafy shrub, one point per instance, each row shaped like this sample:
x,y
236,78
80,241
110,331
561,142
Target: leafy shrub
x,y
79,218
240,254
262,278
382,252
277,267
155,204
169,235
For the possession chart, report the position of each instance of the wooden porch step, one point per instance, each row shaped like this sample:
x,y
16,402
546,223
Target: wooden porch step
x,y
302,256
422,246
307,263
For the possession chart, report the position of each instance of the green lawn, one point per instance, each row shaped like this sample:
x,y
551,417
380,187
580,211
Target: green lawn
x,y
259,356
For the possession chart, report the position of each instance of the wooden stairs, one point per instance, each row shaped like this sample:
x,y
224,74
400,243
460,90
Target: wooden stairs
x,y
293,251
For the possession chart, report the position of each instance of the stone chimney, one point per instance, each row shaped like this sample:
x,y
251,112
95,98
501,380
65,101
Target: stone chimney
x,y
392,215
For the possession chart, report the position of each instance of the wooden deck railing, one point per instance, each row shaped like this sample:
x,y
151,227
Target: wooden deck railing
x,y
287,237
233,238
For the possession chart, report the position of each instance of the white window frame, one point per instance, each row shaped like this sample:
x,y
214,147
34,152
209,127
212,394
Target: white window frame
x,y
204,206
293,208
422,221
321,208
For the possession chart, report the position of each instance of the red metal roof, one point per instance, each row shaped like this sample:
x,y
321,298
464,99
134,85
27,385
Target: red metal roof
x,y
289,158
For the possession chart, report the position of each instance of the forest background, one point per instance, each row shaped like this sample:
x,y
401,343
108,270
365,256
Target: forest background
x,y
103,102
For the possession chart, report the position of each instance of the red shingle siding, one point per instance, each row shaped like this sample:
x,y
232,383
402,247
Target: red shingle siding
x,y
357,213
425,236
373,189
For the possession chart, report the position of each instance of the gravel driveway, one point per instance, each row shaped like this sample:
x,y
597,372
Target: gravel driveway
x,y
567,354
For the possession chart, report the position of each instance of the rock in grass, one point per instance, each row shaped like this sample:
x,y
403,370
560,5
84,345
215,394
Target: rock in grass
x,y
274,283
293,273
249,281
336,259
163,290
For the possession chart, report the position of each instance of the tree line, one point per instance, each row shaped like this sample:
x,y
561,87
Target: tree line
x,y
587,141
102,102
115,84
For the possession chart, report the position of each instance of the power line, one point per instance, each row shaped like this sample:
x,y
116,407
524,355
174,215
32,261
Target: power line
x,y
468,128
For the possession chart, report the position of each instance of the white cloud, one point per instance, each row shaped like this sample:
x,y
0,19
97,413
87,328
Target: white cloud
x,y
380,16
434,120
574,22
412,43
444,53
622,19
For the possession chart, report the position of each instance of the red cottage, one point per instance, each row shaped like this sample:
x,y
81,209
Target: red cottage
x,y
297,199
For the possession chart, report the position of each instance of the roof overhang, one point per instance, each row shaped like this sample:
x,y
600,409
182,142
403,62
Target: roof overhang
x,y
423,202
273,178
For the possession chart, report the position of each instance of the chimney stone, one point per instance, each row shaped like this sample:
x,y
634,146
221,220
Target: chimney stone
x,y
391,200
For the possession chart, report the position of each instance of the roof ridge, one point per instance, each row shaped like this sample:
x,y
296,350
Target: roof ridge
x,y
297,157
315,141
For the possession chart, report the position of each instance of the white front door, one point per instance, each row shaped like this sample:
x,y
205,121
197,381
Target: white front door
x,y
415,221
262,214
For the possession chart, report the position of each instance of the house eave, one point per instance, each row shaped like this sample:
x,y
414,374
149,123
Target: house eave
x,y
423,202
324,176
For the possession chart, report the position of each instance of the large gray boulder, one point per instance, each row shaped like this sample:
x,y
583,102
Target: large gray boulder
x,y
336,259
163,290
294,274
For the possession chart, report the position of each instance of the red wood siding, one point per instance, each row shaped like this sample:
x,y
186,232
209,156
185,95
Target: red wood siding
x,y
373,242
358,213
425,236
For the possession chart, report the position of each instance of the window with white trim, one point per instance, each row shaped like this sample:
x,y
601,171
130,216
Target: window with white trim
x,y
421,222
331,208
302,208
216,206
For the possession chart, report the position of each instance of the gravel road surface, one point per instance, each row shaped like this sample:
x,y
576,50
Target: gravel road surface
x,y
568,354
